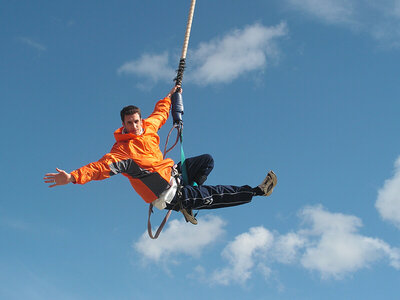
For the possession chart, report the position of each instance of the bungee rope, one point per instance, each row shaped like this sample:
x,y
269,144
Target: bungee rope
x,y
182,61
177,112
177,101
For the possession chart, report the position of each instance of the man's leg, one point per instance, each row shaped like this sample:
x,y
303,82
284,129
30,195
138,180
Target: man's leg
x,y
218,196
211,197
198,168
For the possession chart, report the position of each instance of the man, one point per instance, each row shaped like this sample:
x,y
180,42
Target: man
x,y
136,154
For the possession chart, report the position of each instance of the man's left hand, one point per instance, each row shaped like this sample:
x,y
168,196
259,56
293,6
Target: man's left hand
x,y
176,88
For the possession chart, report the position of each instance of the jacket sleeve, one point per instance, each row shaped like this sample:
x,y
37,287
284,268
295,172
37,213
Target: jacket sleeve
x,y
99,170
160,113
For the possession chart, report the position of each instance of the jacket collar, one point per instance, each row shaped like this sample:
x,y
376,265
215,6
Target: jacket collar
x,y
120,135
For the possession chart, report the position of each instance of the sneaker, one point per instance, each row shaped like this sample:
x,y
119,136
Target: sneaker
x,y
188,216
268,184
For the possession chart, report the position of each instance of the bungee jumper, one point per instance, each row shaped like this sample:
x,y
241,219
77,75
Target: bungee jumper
x,y
159,180
136,154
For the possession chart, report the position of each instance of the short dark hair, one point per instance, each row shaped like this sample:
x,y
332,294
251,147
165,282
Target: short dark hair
x,y
130,110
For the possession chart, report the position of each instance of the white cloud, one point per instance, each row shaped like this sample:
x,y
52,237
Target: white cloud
x,y
380,19
388,202
237,53
242,255
152,66
328,243
181,238
31,43
335,248
331,11
387,7
286,247
220,60
14,224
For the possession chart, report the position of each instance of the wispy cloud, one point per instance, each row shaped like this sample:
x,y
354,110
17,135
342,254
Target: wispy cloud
x,y
237,53
380,19
31,43
325,242
330,11
187,239
336,249
388,202
243,254
220,60
329,243
153,67
286,247
15,224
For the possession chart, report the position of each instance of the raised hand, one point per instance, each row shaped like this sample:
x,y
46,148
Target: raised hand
x,y
176,88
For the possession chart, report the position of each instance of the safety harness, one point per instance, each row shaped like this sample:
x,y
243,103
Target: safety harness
x,y
177,112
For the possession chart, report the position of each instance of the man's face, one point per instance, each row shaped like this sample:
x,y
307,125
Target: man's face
x,y
133,124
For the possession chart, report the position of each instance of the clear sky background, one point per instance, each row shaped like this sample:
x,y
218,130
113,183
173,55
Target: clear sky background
x,y
309,89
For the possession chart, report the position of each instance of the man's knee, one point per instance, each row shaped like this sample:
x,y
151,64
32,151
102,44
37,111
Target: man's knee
x,y
209,159
207,163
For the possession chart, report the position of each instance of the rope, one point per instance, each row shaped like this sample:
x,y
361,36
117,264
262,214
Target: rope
x,y
182,61
178,81
188,28
179,74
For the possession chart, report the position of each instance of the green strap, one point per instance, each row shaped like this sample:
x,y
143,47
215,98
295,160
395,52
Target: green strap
x,y
183,165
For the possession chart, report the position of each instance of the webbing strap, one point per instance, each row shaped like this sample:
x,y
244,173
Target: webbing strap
x,y
185,177
160,228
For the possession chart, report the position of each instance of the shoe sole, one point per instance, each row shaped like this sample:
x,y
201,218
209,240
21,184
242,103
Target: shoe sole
x,y
188,217
271,182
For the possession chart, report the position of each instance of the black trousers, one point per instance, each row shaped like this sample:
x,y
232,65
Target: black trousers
x,y
207,196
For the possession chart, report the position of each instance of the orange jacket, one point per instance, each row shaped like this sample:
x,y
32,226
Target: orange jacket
x,y
137,157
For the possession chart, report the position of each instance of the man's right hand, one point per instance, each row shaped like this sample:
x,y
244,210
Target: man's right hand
x,y
60,178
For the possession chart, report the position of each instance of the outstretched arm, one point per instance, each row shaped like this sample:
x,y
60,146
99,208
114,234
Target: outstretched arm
x,y
105,167
60,178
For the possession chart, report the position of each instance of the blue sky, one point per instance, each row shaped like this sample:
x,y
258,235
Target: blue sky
x,y
308,89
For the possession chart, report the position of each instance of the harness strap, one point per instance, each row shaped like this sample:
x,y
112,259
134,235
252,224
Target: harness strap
x,y
185,176
164,221
160,228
